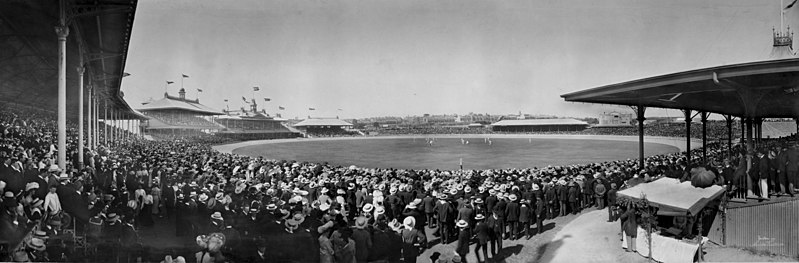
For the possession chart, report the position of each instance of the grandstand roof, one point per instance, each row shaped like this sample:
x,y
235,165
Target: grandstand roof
x,y
175,103
768,89
99,32
539,122
322,122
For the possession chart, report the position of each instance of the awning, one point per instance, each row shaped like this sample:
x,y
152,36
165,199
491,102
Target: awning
x,y
673,197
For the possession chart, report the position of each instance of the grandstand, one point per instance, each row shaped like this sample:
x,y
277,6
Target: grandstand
x,y
539,125
325,127
253,125
177,116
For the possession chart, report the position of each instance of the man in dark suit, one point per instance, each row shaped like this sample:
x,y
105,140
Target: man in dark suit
x,y
465,234
525,216
494,223
446,217
512,217
491,200
483,236
540,213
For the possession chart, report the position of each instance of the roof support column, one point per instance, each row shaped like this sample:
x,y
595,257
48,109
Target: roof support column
x,y
639,111
728,118
750,153
62,31
105,123
81,70
688,119
89,120
704,116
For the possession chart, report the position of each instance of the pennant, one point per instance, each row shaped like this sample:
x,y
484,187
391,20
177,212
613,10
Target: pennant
x,y
267,99
311,109
185,76
789,5
256,88
281,108
169,82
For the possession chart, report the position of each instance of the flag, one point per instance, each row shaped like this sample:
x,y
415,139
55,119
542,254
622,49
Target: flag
x,y
789,5
169,82
256,88
199,90
185,76
311,109
280,108
267,99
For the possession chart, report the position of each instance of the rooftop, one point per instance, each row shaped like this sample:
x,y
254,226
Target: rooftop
x,y
322,122
535,122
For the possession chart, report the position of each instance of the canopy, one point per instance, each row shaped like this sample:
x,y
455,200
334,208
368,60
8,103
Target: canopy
x,y
673,197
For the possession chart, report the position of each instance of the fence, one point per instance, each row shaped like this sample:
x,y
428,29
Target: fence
x,y
773,227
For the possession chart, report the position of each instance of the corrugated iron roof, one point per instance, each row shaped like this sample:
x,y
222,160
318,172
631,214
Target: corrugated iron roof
x,y
169,103
322,122
535,122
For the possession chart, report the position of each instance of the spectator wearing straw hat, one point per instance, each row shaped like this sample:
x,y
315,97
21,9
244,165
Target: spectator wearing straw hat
x,y
525,217
465,234
413,240
496,227
445,211
363,239
512,216
412,210
482,231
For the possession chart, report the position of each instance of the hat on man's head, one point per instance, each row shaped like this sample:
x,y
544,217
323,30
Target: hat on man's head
x,y
367,208
54,168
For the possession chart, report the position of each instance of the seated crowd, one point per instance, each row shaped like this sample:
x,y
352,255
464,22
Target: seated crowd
x,y
234,208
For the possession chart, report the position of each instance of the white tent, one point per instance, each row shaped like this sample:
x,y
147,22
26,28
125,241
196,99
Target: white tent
x,y
673,197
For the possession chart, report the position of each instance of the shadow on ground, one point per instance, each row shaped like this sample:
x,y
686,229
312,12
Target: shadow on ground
x,y
553,245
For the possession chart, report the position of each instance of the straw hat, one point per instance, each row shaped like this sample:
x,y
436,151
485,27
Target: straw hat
x,y
36,243
409,222
360,222
367,208
216,216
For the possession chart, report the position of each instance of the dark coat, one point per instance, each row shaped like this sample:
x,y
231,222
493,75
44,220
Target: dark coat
x,y
512,212
490,202
446,213
483,232
629,223
463,241
525,213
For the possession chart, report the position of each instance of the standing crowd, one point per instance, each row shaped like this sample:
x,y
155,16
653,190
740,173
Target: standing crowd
x,y
247,209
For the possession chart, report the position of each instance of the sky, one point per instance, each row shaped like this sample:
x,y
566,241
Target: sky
x,y
408,57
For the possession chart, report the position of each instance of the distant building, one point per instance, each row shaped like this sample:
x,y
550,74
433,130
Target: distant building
x,y
615,119
177,116
539,125
323,126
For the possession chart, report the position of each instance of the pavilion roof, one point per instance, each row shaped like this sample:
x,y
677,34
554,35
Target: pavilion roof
x,y
767,89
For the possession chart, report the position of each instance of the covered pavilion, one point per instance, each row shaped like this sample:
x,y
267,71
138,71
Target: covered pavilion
x,y
69,55
750,91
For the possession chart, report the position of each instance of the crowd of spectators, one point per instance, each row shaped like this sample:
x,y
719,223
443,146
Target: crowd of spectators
x,y
237,208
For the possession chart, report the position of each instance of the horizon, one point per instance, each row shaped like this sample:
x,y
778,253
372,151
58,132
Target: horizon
x,y
415,57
